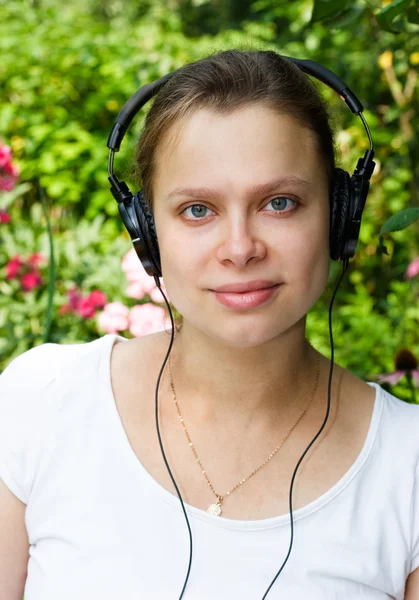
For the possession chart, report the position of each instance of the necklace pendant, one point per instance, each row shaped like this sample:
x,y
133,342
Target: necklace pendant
x,y
214,509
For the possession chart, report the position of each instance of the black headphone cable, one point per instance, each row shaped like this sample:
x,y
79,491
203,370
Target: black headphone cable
x,y
345,266
156,279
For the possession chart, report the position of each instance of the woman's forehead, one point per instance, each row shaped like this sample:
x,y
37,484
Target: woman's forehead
x,y
204,125
250,137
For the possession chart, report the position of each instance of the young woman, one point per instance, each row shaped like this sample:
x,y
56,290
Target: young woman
x,y
236,162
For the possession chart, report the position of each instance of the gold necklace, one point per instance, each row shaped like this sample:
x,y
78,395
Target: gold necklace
x,y
215,509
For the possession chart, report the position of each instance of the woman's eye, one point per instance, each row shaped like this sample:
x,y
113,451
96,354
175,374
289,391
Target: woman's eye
x,y
279,203
198,211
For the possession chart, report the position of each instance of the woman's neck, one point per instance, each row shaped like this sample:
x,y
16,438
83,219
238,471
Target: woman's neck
x,y
214,381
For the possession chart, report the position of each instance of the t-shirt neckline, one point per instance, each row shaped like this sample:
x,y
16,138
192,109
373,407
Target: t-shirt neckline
x,y
171,499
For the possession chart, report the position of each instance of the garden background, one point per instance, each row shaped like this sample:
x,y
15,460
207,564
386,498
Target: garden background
x,y
67,271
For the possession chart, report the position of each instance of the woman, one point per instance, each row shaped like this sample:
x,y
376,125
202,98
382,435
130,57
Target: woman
x,y
236,161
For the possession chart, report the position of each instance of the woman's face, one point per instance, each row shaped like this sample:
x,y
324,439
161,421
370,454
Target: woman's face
x,y
253,206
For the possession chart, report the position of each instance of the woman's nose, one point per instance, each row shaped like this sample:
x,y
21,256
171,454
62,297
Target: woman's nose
x,y
240,242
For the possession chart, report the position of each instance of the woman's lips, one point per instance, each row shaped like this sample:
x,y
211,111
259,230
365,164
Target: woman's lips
x,y
246,286
245,299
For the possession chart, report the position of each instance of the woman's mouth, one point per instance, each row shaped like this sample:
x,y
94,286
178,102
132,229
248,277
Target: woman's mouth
x,y
244,300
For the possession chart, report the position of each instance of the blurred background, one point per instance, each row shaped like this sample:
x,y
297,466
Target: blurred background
x,y
67,271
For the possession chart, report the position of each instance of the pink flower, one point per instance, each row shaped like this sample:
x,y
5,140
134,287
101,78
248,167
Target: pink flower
x,y
30,281
134,270
114,318
97,298
7,183
74,298
86,309
13,267
147,318
140,283
87,306
5,155
27,270
4,216
36,259
391,378
412,269
8,171
11,169
406,364
156,294
135,290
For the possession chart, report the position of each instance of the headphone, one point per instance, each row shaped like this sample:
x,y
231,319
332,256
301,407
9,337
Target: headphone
x,y
347,201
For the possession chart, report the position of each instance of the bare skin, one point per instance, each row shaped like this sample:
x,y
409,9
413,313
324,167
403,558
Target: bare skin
x,y
231,453
239,198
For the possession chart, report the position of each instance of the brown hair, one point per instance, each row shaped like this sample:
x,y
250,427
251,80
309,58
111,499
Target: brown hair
x,y
224,82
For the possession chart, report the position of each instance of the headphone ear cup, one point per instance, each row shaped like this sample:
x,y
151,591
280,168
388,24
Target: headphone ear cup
x,y
340,202
151,261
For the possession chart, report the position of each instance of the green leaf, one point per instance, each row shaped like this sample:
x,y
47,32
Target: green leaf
x,y
386,18
328,9
400,220
413,14
348,17
382,248
9,198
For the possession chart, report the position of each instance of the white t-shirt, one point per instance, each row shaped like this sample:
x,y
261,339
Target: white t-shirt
x,y
101,528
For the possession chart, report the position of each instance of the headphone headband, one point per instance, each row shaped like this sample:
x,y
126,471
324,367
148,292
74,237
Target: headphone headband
x,y
146,92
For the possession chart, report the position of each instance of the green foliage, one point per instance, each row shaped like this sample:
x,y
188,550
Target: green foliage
x,y
367,330
67,70
328,9
80,259
400,221
393,17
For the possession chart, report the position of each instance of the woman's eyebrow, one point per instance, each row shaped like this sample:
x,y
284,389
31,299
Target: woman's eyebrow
x,y
206,193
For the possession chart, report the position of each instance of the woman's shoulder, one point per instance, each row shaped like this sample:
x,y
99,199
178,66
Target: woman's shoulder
x,y
357,391
141,352
364,410
41,366
139,356
394,423
400,420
